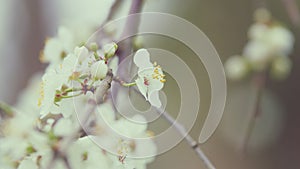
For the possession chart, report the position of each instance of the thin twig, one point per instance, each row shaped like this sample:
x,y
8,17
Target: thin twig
x,y
182,131
259,82
188,138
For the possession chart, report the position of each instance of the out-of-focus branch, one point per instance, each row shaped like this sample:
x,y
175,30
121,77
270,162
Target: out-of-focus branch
x,y
131,28
293,11
113,10
259,82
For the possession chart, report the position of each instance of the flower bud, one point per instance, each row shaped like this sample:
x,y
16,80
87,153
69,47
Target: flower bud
x,y
99,70
110,50
81,53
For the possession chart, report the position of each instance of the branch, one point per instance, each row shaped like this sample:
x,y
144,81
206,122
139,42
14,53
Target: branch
x,y
188,138
259,82
113,10
293,11
181,130
131,28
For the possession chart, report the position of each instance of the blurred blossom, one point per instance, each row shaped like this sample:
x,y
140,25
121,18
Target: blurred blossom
x,y
268,40
236,67
281,67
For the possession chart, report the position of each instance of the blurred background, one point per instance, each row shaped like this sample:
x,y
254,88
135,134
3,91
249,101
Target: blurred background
x,y
274,143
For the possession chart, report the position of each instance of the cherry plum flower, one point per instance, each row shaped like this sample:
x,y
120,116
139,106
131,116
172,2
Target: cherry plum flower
x,y
150,79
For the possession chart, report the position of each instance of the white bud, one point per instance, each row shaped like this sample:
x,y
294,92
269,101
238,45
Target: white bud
x,y
236,67
110,49
81,53
281,67
99,69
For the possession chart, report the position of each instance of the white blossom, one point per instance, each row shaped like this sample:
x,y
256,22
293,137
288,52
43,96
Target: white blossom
x,y
57,48
150,77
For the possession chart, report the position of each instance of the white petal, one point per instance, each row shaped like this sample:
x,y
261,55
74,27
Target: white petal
x,y
52,51
63,127
99,69
27,163
66,38
113,64
154,99
81,53
142,87
142,59
154,85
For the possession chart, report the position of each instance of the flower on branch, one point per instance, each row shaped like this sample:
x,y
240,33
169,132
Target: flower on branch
x,y
150,79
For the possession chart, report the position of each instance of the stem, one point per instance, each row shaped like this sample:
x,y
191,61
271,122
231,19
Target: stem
x,y
259,82
128,84
66,162
75,95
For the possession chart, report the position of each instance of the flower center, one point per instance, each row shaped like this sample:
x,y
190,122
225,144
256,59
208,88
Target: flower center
x,y
158,74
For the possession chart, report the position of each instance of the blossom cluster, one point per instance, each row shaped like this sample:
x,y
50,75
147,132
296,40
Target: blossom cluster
x,y
268,48
53,125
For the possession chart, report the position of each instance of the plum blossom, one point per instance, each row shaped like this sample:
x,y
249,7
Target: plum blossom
x,y
150,79
269,45
57,48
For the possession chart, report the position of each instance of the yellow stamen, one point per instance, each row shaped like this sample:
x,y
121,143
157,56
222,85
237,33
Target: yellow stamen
x,y
163,80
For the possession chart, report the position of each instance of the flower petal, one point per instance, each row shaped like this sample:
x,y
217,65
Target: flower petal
x,y
142,59
142,87
154,99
